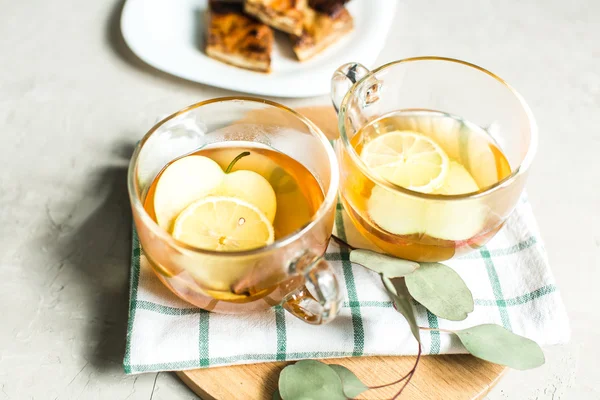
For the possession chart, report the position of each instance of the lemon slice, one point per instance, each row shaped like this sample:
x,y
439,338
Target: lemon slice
x,y
223,224
407,159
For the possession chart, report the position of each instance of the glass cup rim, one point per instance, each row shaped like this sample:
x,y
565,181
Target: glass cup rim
x,y
330,196
507,181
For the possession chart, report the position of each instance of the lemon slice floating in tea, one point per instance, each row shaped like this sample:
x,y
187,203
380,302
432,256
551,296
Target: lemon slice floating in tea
x,y
407,159
223,224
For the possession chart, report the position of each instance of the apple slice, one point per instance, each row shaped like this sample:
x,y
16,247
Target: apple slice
x,y
449,220
396,213
456,220
458,181
181,183
250,187
192,178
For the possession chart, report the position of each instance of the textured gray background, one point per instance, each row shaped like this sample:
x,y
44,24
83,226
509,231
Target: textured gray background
x,y
73,100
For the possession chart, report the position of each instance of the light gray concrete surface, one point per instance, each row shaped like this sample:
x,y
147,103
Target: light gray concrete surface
x,y
74,100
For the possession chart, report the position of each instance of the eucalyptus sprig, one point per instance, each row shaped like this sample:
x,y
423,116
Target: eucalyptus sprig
x,y
436,287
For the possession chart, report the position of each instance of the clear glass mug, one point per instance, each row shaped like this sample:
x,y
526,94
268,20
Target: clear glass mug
x,y
290,271
452,87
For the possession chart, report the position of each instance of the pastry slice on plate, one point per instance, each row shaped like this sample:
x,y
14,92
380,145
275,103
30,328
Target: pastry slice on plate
x,y
321,29
284,15
329,7
237,39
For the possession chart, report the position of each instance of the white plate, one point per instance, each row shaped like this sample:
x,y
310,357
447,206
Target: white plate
x,y
169,35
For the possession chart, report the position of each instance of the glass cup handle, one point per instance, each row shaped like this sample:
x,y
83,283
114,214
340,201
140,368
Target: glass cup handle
x,y
343,79
319,300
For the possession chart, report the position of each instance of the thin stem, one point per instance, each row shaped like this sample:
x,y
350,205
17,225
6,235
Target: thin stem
x,y
390,384
411,373
343,242
436,330
236,159
408,375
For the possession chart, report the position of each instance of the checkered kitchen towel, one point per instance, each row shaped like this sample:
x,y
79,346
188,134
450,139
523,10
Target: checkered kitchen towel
x,y
510,279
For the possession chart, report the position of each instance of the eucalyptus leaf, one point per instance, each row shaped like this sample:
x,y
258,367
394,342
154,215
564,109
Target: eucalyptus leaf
x,y
441,290
310,380
276,395
351,384
402,301
498,345
391,267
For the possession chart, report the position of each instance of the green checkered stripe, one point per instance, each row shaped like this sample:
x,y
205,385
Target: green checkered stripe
x,y
510,279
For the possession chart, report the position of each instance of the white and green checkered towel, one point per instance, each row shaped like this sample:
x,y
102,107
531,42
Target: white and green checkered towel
x,y
510,279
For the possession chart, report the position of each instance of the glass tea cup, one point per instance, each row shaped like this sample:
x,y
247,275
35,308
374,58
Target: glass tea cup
x,y
291,271
480,121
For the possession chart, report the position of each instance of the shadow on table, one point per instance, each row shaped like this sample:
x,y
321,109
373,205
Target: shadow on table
x,y
115,39
95,241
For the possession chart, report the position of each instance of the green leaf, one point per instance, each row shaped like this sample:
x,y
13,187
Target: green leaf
x,y
310,380
402,301
276,395
498,345
441,290
351,384
391,267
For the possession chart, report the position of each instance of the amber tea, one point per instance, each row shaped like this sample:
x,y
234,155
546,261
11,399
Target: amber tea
x,y
426,152
230,198
296,193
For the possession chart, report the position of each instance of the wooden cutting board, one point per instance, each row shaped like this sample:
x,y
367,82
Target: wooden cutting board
x,y
456,377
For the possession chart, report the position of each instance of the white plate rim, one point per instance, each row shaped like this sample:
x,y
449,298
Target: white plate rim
x,y
363,51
